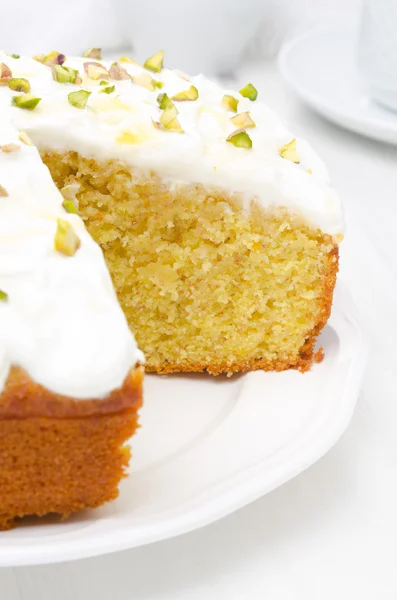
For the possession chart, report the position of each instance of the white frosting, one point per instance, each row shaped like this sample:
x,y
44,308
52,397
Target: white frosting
x,y
61,322
201,154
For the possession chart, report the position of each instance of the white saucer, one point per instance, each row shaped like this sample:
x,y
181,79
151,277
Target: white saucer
x,y
320,67
209,446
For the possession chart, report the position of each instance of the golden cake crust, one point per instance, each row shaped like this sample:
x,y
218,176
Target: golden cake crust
x,y
60,455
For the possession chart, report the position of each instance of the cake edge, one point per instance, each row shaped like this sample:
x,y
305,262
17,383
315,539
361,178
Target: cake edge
x,y
61,455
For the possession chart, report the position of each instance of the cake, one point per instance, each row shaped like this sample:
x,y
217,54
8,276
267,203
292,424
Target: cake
x,y
219,229
71,374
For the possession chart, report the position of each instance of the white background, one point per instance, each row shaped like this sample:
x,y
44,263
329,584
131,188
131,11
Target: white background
x,y
331,532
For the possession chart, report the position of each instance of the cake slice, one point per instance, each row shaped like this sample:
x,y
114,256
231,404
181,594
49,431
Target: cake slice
x,y
219,226
70,374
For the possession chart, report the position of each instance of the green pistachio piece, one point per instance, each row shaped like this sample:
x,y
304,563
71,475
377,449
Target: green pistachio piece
x,y
66,240
144,80
19,85
289,152
95,70
118,72
129,60
249,91
243,121
79,99
169,119
229,103
186,95
23,136
53,58
3,296
93,53
64,74
155,62
108,90
240,139
3,192
5,74
158,84
26,101
163,101
70,207
14,55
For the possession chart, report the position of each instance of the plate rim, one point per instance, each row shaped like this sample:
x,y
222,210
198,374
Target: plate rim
x,y
239,494
373,128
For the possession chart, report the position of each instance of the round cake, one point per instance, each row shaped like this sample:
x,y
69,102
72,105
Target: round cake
x,y
219,229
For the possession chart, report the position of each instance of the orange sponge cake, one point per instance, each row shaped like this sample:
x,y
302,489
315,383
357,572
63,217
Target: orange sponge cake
x,y
71,384
60,455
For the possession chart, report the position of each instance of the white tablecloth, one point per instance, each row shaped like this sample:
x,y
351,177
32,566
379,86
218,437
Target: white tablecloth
x,y
330,533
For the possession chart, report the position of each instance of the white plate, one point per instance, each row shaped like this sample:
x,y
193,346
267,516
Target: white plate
x,y
320,67
209,446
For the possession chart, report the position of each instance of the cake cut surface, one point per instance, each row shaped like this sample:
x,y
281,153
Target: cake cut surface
x,y
203,284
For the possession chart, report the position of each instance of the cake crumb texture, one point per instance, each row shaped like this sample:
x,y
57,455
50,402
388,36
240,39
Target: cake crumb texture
x,y
65,463
204,284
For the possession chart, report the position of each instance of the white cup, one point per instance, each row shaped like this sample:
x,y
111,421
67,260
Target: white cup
x,y
377,50
205,36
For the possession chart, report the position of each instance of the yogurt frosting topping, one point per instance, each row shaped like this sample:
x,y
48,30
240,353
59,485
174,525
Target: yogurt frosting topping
x,y
119,125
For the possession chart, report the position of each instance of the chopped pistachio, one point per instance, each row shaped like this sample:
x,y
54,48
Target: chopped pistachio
x,y
5,74
163,101
26,101
243,121
155,62
229,103
93,53
70,207
157,125
79,99
249,91
95,70
69,192
108,90
3,192
23,136
64,74
103,82
158,84
186,95
289,152
14,55
19,85
53,58
169,119
240,139
10,148
144,80
129,60
3,296
66,241
117,72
